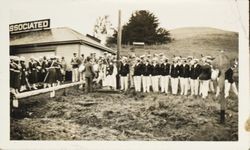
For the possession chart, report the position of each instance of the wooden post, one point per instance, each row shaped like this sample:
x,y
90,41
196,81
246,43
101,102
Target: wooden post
x,y
119,40
52,93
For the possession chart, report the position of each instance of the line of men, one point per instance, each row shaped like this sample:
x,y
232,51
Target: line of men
x,y
45,71
145,73
159,74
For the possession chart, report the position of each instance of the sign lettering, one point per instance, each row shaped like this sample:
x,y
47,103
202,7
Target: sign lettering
x,y
29,26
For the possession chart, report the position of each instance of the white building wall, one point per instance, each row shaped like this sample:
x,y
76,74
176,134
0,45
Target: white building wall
x,y
67,51
87,50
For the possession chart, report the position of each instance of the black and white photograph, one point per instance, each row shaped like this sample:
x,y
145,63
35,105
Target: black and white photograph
x,y
125,71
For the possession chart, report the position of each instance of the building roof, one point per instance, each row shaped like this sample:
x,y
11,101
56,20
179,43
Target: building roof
x,y
53,36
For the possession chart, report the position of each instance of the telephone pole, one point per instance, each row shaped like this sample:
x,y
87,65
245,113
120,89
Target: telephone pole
x,y
119,43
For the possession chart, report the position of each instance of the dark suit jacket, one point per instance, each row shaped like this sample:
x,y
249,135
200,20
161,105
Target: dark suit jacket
x,y
164,69
89,72
155,70
174,71
205,73
146,69
184,71
138,70
124,69
229,75
195,71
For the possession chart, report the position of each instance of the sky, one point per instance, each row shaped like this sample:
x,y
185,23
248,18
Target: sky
x,y
81,15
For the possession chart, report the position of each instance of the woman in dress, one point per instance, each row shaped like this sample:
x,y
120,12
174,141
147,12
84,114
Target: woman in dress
x,y
110,79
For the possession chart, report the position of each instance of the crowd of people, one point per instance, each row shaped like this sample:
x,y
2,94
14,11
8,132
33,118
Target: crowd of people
x,y
44,71
146,73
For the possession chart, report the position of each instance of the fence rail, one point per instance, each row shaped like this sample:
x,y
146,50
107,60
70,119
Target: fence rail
x,y
46,90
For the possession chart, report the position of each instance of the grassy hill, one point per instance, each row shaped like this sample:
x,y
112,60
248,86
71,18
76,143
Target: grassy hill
x,y
193,41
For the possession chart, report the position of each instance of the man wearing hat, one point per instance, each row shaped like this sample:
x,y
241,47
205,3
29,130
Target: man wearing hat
x,y
174,73
164,72
229,81
184,76
89,75
75,62
137,75
155,75
124,73
64,68
146,75
205,77
194,74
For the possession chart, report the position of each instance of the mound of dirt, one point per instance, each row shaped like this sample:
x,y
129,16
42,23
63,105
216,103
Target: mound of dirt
x,y
125,116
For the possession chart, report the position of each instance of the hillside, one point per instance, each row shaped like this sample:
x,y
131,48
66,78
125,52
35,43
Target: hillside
x,y
194,41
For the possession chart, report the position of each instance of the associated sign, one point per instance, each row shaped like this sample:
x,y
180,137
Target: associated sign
x,y
29,26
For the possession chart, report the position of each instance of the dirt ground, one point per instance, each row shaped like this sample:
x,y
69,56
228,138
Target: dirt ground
x,y
123,116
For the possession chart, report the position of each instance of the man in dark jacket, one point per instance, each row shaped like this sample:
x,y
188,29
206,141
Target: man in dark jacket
x,y
205,77
137,75
146,75
89,75
229,81
155,75
124,72
184,76
75,62
194,74
174,73
164,72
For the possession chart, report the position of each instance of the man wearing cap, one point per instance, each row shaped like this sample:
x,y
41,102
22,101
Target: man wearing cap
x,y
205,77
124,72
89,75
64,68
155,75
146,75
75,62
184,76
229,81
164,72
194,74
174,73
138,75
81,67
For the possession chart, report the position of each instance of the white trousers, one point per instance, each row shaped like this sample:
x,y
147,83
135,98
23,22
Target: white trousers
x,y
184,86
164,81
174,85
75,75
146,83
228,87
82,76
137,83
189,86
194,85
211,86
124,83
155,83
204,88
